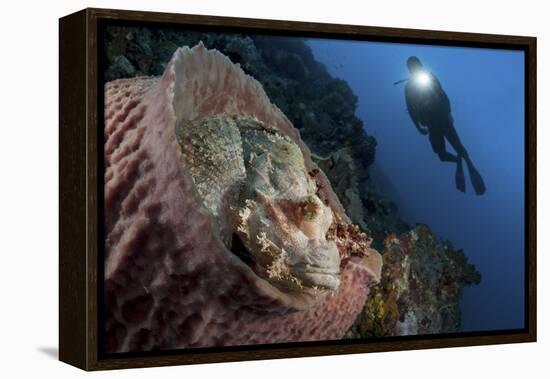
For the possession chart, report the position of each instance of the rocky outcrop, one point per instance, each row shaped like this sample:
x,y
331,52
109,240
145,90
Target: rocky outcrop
x,y
420,288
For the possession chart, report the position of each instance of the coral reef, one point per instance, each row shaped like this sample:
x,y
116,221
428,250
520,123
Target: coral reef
x,y
419,290
322,108
170,279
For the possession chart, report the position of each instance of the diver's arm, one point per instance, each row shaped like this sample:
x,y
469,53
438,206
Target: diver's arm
x,y
421,129
413,112
445,102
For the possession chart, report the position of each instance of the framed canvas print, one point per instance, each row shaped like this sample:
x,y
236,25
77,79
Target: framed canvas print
x,y
237,189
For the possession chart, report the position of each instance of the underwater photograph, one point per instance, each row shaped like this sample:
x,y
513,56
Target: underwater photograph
x,y
264,189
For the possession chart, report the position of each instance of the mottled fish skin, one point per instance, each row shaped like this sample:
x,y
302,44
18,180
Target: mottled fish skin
x,y
253,179
212,150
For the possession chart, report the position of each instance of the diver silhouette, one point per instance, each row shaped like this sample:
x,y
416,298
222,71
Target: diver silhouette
x,y
430,111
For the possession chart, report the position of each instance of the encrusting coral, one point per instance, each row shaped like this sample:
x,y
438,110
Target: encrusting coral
x,y
420,288
201,254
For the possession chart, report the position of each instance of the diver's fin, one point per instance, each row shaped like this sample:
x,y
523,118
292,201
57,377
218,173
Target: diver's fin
x,y
477,180
459,176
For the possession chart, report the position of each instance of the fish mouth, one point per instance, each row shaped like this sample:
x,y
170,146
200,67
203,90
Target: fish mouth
x,y
312,269
326,278
309,275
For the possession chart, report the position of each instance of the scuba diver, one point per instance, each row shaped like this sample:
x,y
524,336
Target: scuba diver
x,y
430,111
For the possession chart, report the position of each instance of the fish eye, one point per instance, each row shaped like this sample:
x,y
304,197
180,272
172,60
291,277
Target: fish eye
x,y
310,208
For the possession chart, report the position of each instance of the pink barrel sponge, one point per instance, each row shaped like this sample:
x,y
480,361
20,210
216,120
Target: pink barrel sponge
x,y
171,280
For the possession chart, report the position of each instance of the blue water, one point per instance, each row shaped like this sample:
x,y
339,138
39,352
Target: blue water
x,y
486,89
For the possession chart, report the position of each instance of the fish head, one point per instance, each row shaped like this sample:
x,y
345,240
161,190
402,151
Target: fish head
x,y
284,223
